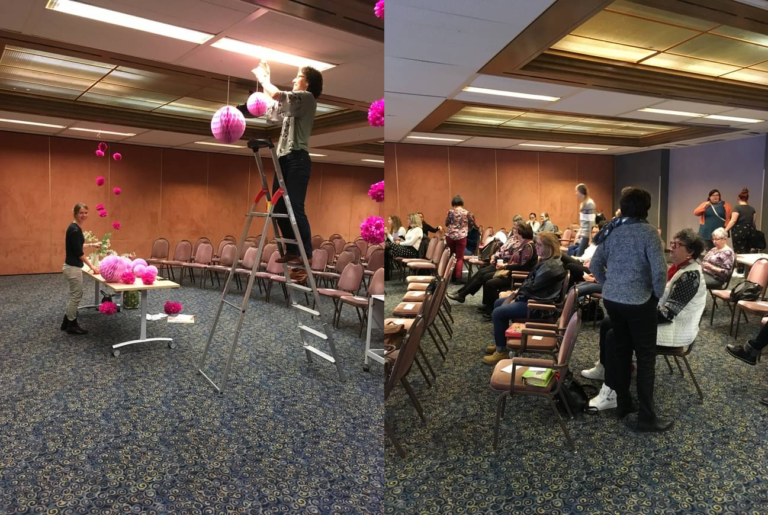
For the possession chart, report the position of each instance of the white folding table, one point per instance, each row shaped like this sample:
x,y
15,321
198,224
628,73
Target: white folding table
x,y
159,284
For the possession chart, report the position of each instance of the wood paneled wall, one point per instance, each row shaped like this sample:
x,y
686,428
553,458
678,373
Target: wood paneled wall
x,y
165,192
495,184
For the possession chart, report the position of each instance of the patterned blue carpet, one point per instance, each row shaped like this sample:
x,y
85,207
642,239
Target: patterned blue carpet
x,y
84,432
715,460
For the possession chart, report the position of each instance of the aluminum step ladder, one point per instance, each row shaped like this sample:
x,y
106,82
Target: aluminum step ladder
x,y
304,315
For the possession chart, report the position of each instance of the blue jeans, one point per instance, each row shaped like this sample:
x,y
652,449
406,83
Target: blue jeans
x,y
502,314
579,247
296,168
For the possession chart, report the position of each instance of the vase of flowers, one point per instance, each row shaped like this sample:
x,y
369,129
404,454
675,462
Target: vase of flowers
x,y
130,299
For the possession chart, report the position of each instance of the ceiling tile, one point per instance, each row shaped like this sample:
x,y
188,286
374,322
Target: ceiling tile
x,y
164,139
418,77
601,103
490,142
522,86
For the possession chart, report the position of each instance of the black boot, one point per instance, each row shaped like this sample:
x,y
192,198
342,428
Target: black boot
x,y
65,323
745,353
74,328
657,425
458,297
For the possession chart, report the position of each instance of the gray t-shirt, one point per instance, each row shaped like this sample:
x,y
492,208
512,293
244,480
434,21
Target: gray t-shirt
x,y
296,109
586,218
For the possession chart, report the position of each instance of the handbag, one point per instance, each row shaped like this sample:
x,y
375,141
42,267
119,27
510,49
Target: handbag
x,y
746,291
500,274
757,240
574,394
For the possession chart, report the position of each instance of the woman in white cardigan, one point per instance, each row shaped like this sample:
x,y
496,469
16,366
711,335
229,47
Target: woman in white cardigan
x,y
409,247
680,309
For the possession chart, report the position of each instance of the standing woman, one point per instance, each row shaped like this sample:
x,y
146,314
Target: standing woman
x,y
712,213
587,212
73,268
742,223
458,222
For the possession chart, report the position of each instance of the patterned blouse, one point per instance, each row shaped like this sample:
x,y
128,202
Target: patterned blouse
x,y
458,223
507,249
522,254
722,259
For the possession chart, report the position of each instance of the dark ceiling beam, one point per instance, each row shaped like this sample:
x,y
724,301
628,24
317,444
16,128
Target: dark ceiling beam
x,y
351,16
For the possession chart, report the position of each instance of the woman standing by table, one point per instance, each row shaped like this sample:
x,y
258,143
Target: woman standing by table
x,y
712,214
73,267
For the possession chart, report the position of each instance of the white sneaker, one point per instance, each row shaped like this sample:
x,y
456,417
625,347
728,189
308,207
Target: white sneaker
x,y
598,372
738,274
606,399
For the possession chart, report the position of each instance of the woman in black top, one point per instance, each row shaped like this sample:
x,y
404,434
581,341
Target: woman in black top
x,y
426,228
73,268
742,223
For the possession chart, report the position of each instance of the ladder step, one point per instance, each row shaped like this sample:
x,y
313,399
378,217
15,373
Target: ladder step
x,y
286,240
302,307
313,331
264,215
297,286
233,305
320,353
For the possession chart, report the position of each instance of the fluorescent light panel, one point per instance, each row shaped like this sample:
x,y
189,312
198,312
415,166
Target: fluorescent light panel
x,y
128,21
218,144
434,139
498,92
733,119
22,122
537,145
267,54
102,132
673,113
373,160
586,148
318,155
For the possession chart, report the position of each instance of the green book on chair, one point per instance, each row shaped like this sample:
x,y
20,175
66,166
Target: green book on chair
x,y
536,376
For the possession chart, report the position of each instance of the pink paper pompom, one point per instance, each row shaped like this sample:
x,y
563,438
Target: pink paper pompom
x,y
99,181
376,114
372,230
99,207
152,269
139,261
112,268
228,124
128,278
103,146
103,213
378,10
117,156
117,191
99,153
377,191
148,278
139,269
258,103
116,226
173,308
108,308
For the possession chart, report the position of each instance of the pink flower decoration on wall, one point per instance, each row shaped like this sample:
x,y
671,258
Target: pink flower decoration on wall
x,y
103,146
103,213
376,114
116,226
99,153
377,191
173,308
128,278
378,10
99,181
108,308
117,191
99,207
228,125
148,278
117,156
258,103
372,230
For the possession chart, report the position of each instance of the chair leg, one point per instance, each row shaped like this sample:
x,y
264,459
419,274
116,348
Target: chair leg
x,y
562,424
268,287
733,314
392,438
414,399
669,365
738,319
714,307
426,362
567,407
693,377
340,306
677,362
439,349
423,374
499,410
439,335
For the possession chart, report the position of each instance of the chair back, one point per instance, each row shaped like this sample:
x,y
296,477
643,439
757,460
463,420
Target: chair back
x,y
273,267
443,262
355,250
407,352
569,340
269,249
488,232
338,244
183,251
197,244
204,254
223,243
567,236
431,248
160,249
247,244
564,289
330,248
334,236
377,283
362,245
759,273
231,238
350,278
344,259
228,254
376,261
250,257
317,240
370,250
438,252
568,308
319,260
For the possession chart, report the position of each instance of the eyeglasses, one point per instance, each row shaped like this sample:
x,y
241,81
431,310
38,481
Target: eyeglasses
x,y
674,244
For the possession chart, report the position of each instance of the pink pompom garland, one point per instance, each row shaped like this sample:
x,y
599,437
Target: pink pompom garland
x,y
99,207
372,230
128,278
99,153
117,191
103,146
103,213
378,10
108,308
173,308
116,226
376,114
376,192
117,156
99,181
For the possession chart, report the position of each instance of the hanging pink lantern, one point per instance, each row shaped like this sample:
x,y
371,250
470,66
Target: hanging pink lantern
x,y
228,125
376,114
378,10
99,153
117,156
258,103
103,146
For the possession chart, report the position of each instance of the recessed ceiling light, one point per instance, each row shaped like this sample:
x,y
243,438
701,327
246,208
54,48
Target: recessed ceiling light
x,y
587,148
267,54
733,119
673,113
485,91
434,139
218,144
102,132
22,122
373,160
537,145
318,155
128,21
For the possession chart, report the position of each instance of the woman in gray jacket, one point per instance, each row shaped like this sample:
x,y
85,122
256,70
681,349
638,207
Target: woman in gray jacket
x,y
629,262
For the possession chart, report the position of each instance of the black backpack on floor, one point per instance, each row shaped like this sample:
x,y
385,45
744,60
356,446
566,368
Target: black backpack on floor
x,y
574,395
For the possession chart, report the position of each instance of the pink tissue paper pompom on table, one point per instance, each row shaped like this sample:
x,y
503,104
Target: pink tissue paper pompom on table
x,y
372,230
116,226
173,308
139,261
378,10
376,114
139,270
112,268
103,146
377,191
228,125
117,191
258,103
117,156
128,278
108,308
99,181
152,269
148,278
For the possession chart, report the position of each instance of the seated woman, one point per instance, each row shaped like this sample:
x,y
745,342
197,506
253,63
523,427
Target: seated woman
x,y
678,314
395,230
517,254
409,248
546,224
750,351
718,262
579,265
544,284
